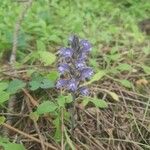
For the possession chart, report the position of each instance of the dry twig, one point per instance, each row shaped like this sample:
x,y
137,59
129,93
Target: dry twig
x,y
28,136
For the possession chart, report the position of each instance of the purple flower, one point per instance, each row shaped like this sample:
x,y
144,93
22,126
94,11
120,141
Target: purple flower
x,y
63,68
61,83
86,46
80,64
66,52
82,55
72,85
73,66
84,91
86,73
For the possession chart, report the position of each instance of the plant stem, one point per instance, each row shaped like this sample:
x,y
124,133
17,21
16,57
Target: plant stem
x,y
72,110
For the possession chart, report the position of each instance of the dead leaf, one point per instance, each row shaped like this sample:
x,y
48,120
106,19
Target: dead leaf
x,y
141,82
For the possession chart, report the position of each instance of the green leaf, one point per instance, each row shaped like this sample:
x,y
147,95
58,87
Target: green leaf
x,y
3,86
34,85
40,45
15,85
53,75
113,95
41,82
114,57
2,120
12,146
46,107
4,96
124,67
62,100
126,83
97,76
146,69
85,101
34,116
146,50
57,124
99,103
54,38
46,83
46,57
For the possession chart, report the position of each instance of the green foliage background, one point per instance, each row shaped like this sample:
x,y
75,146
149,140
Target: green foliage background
x,y
51,21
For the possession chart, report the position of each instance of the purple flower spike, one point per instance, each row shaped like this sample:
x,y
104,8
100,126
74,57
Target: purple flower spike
x,y
72,85
86,73
73,66
66,52
63,68
61,83
84,91
86,46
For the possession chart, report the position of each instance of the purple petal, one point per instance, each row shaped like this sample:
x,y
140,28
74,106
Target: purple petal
x,y
61,83
85,45
86,73
66,52
82,55
84,91
72,85
80,64
63,68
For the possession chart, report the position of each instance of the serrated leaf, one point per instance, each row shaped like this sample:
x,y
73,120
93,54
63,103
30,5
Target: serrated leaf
x,y
126,83
2,120
46,57
15,85
3,86
46,107
124,67
4,96
97,76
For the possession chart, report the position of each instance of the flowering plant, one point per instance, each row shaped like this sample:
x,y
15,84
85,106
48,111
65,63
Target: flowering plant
x,y
73,67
